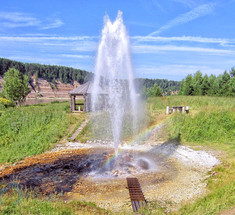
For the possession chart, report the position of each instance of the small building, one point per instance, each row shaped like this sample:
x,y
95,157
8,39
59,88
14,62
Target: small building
x,y
80,97
84,93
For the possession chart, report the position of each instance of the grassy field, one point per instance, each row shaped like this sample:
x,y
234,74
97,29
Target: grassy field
x,y
30,130
210,124
196,103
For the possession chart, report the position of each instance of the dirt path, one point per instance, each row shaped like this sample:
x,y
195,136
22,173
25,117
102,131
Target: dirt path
x,y
75,134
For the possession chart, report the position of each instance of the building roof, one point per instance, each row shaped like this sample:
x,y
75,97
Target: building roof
x,y
81,90
85,89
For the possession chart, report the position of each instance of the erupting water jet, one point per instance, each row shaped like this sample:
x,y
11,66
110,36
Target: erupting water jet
x,y
114,75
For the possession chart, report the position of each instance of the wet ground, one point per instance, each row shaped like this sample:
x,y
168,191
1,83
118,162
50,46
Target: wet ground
x,y
94,174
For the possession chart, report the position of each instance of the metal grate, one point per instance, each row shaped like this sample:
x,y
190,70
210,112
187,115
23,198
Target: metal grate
x,y
136,194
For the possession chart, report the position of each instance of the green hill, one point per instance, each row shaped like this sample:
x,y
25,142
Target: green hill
x,y
51,73
48,72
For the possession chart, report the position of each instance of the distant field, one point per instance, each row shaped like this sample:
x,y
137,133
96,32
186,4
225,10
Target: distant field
x,y
195,103
32,101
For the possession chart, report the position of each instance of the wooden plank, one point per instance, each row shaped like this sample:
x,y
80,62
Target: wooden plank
x,y
133,206
136,194
137,205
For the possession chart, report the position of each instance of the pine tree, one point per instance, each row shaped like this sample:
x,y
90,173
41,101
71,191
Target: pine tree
x,y
232,72
197,83
188,87
214,86
205,85
224,84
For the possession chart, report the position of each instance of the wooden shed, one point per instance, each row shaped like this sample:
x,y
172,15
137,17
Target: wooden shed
x,y
83,92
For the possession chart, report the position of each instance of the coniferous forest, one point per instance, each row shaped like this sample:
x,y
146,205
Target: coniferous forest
x,y
51,73
197,84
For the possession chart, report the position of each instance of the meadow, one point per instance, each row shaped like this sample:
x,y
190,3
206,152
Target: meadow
x,y
31,130
210,125
211,119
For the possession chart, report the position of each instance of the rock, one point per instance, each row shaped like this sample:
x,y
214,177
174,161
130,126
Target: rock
x,y
143,164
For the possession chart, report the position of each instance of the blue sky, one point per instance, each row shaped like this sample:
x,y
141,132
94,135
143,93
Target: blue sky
x,y
169,38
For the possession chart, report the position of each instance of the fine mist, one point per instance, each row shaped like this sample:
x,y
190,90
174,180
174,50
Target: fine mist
x,y
113,92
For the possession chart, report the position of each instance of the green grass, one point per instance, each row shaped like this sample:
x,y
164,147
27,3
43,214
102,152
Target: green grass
x,y
80,119
205,127
31,205
99,127
31,130
194,102
210,123
211,119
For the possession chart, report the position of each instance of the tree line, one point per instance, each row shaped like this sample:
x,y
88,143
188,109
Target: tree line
x,y
164,84
51,73
197,84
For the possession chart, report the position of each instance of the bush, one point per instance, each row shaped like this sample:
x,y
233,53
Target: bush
x,y
6,103
152,91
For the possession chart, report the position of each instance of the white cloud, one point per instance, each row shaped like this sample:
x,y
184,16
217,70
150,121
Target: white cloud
x,y
54,23
188,3
76,56
73,43
35,59
90,42
45,38
156,48
17,19
221,41
197,12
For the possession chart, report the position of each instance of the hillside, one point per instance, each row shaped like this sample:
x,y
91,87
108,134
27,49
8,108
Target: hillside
x,y
51,73
67,75
43,91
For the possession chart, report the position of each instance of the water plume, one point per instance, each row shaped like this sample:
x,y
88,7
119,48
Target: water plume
x,y
113,88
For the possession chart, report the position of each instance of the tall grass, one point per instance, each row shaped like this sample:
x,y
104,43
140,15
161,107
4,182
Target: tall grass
x,y
31,205
210,123
212,127
211,119
31,130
